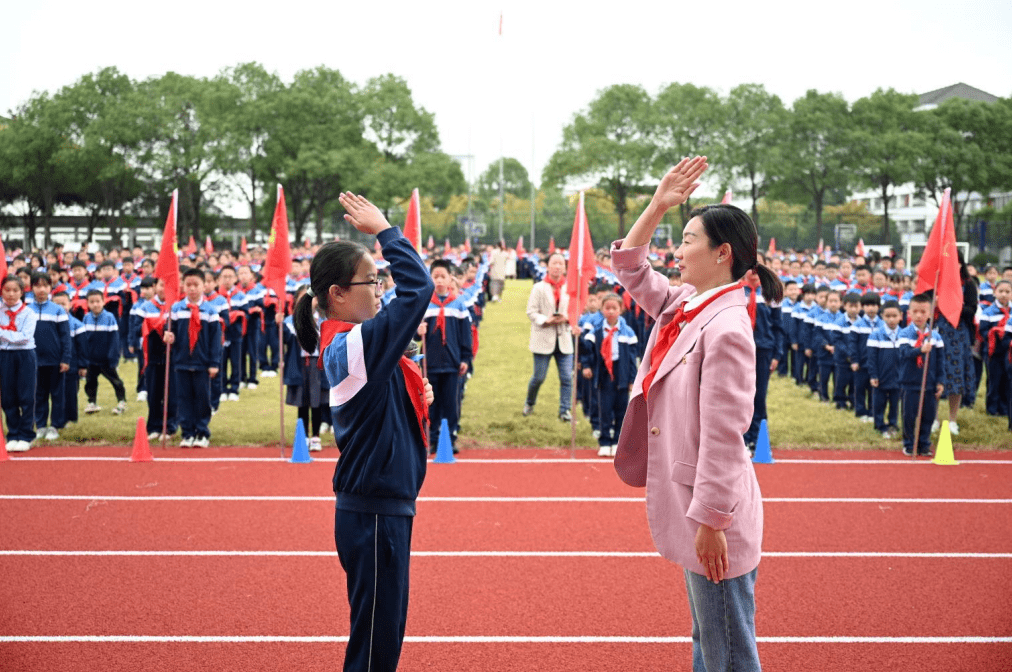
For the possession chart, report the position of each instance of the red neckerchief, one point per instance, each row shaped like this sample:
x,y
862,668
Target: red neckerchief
x,y
606,349
412,374
919,343
441,317
752,298
106,298
12,315
666,338
556,288
194,327
992,335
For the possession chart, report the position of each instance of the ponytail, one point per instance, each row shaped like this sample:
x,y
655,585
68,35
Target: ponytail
x,y
334,264
773,288
305,324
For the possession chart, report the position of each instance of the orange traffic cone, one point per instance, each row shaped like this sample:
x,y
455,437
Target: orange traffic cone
x,y
142,451
4,457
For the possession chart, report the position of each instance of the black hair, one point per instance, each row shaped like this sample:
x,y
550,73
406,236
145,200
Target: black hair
x,y
78,263
149,281
852,297
832,265
445,264
334,264
821,288
613,297
1002,281
107,264
808,288
14,278
58,294
228,267
923,297
194,273
94,292
790,282
863,267
870,299
891,304
725,223
834,291
41,278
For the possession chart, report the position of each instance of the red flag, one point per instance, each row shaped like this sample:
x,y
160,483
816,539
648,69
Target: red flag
x,y
582,264
520,247
305,243
3,260
939,265
773,246
167,266
446,248
670,243
727,197
859,250
413,222
278,262
431,244
551,245
243,247
819,249
208,246
467,245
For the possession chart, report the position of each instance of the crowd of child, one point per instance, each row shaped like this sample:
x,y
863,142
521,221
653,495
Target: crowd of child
x,y
68,317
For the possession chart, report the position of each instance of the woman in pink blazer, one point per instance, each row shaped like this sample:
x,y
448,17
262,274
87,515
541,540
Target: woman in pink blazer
x,y
690,406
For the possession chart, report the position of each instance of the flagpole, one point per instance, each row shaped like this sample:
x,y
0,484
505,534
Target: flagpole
x,y
165,394
281,377
924,374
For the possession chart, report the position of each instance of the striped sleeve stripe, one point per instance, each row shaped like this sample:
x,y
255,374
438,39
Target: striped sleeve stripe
x,y
352,375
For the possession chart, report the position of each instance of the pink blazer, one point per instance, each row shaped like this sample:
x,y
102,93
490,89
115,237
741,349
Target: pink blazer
x,y
684,443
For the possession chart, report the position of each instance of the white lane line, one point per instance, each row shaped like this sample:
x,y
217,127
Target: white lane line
x,y
540,500
441,639
494,554
479,460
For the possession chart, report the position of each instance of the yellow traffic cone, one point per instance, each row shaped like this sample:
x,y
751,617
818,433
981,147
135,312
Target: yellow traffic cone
x,y
943,451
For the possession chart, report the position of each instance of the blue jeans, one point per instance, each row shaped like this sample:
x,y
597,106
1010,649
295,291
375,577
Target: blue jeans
x,y
565,365
723,623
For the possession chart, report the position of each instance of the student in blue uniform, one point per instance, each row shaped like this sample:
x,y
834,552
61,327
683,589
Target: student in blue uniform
x,y
195,337
52,350
18,368
992,329
915,345
230,303
608,360
306,385
844,353
825,336
152,334
767,331
448,345
787,354
100,353
883,369
869,322
72,377
799,333
585,392
379,405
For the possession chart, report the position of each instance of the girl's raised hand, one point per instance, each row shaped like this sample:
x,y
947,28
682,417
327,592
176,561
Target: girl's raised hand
x,y
362,214
678,183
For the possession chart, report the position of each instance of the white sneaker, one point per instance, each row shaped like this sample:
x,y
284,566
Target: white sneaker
x,y
187,442
269,374
953,428
202,442
120,408
223,397
52,434
935,426
251,386
604,451
614,449
41,434
18,447
142,395
92,408
234,396
153,436
315,444
596,433
242,386
324,428
867,418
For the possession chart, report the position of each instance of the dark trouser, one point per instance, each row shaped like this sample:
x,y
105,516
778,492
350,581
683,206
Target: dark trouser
x,y
375,552
812,373
18,371
91,382
154,380
862,390
231,362
785,364
997,386
879,398
843,391
910,399
445,390
49,385
269,341
140,373
250,350
312,421
194,402
614,400
763,359
825,373
798,366
969,400
71,386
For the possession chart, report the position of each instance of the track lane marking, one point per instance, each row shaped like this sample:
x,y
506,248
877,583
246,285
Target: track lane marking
x,y
494,554
480,460
539,500
474,639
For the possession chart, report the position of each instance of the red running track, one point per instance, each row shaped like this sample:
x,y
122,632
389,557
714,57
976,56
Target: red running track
x,y
524,597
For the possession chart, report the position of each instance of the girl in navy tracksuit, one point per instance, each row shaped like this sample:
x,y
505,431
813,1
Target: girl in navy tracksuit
x,y
307,387
52,349
767,330
17,365
379,404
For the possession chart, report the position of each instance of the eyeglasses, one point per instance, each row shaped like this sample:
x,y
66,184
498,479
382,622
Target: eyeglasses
x,y
377,283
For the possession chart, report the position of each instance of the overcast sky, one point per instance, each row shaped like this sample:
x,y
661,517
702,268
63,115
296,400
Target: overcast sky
x,y
518,91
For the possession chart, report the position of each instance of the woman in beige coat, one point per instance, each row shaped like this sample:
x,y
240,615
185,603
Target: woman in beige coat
x,y
551,335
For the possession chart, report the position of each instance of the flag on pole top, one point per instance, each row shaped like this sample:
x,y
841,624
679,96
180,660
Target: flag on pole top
x,y
3,260
191,247
431,244
500,24
670,243
208,246
446,248
727,197
467,245
940,260
167,266
859,250
551,245
819,249
413,222
520,247
243,247
278,262
582,264
773,246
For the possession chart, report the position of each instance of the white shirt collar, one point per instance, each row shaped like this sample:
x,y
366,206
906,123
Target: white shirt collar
x,y
15,307
698,299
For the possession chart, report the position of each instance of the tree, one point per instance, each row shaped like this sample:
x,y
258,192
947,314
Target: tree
x,y
515,180
816,163
888,140
611,143
755,122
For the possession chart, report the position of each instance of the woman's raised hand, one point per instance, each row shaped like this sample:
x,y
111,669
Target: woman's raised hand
x,y
678,183
362,214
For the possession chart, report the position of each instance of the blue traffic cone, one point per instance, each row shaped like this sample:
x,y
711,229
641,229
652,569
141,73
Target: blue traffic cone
x,y
763,455
444,452
300,449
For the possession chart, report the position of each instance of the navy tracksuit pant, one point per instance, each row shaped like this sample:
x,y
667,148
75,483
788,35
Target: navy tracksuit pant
x,y
232,363
375,552
49,385
825,372
154,380
110,373
446,393
910,399
71,387
613,401
251,350
862,390
763,359
843,391
269,341
18,370
997,386
193,402
879,398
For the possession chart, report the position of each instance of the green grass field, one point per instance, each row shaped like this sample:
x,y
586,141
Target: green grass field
x,y
491,413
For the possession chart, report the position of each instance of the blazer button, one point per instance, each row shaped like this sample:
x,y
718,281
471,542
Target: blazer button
x,y
655,431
